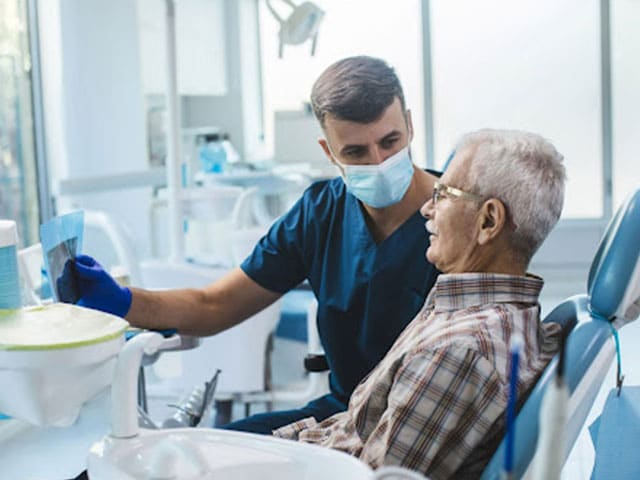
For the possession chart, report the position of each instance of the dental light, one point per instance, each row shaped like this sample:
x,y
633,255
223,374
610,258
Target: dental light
x,y
300,25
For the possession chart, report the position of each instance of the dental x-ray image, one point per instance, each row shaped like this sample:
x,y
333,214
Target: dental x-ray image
x,y
61,240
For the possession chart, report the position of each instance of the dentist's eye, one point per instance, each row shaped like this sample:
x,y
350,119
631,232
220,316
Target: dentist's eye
x,y
355,153
389,142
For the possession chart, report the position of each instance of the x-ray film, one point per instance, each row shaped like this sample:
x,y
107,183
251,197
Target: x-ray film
x,y
61,239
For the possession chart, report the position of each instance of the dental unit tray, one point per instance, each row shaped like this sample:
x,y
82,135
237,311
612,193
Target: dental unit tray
x,y
54,358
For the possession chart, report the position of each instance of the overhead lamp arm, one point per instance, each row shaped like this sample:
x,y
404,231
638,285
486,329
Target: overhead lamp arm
x,y
302,24
274,13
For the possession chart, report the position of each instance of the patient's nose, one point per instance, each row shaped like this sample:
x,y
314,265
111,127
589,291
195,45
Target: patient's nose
x,y
427,208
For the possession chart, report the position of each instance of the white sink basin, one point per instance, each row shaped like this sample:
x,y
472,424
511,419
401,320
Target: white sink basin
x,y
217,454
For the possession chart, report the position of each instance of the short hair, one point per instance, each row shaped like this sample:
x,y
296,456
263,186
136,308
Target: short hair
x,y
358,89
525,172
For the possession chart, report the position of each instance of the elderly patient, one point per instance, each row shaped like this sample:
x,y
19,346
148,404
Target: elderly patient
x,y
436,402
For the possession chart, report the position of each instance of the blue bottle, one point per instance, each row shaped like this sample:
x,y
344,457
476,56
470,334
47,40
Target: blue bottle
x,y
213,156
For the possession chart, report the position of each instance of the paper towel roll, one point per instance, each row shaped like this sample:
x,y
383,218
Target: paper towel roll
x,y
8,233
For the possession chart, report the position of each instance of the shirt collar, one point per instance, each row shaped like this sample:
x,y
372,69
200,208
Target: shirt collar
x,y
456,291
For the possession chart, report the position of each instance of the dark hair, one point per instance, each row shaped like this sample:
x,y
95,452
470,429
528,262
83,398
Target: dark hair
x,y
358,89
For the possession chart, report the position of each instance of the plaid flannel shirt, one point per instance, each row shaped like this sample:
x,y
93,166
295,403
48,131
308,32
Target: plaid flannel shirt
x,y
436,402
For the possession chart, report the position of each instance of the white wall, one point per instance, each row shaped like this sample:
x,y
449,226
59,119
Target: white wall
x,y
388,30
200,47
93,102
239,111
95,76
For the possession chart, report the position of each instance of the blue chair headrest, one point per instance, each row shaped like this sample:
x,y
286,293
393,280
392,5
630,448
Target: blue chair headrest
x,y
614,278
448,160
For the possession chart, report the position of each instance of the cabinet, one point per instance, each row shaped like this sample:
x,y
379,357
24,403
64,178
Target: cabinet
x,y
200,49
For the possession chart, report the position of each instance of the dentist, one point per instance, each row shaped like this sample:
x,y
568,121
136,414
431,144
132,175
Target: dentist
x,y
357,239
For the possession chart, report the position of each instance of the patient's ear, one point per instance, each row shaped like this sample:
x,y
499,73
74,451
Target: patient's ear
x,y
492,220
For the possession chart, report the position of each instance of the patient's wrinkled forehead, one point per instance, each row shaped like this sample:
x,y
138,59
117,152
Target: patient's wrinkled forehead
x,y
456,174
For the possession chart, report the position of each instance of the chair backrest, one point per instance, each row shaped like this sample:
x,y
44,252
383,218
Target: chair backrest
x,y
613,297
112,240
614,278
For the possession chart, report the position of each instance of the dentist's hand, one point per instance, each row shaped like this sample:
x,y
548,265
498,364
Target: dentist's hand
x,y
95,288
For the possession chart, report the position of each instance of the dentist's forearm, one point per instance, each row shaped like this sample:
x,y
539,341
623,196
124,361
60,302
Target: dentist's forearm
x,y
200,311
182,309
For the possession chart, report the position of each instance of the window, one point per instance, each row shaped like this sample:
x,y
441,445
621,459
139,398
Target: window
x,y
356,27
534,66
625,72
18,181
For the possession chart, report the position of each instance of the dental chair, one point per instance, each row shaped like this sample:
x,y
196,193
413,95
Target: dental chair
x,y
591,321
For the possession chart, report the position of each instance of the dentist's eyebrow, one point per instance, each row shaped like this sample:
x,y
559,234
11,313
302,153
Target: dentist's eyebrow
x,y
351,147
390,135
357,146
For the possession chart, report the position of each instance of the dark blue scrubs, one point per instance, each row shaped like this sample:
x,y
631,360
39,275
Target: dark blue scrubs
x,y
367,292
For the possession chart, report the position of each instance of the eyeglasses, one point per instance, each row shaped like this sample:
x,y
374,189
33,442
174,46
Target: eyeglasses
x,y
441,191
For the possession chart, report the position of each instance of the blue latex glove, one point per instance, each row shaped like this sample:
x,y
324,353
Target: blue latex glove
x,y
95,288
67,284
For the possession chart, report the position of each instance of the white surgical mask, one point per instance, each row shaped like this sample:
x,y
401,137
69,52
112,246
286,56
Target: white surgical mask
x,y
380,185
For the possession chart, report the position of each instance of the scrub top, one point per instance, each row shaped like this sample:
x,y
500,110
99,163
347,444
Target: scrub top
x,y
367,292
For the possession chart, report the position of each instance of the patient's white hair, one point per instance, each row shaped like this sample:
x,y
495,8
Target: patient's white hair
x,y
526,173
